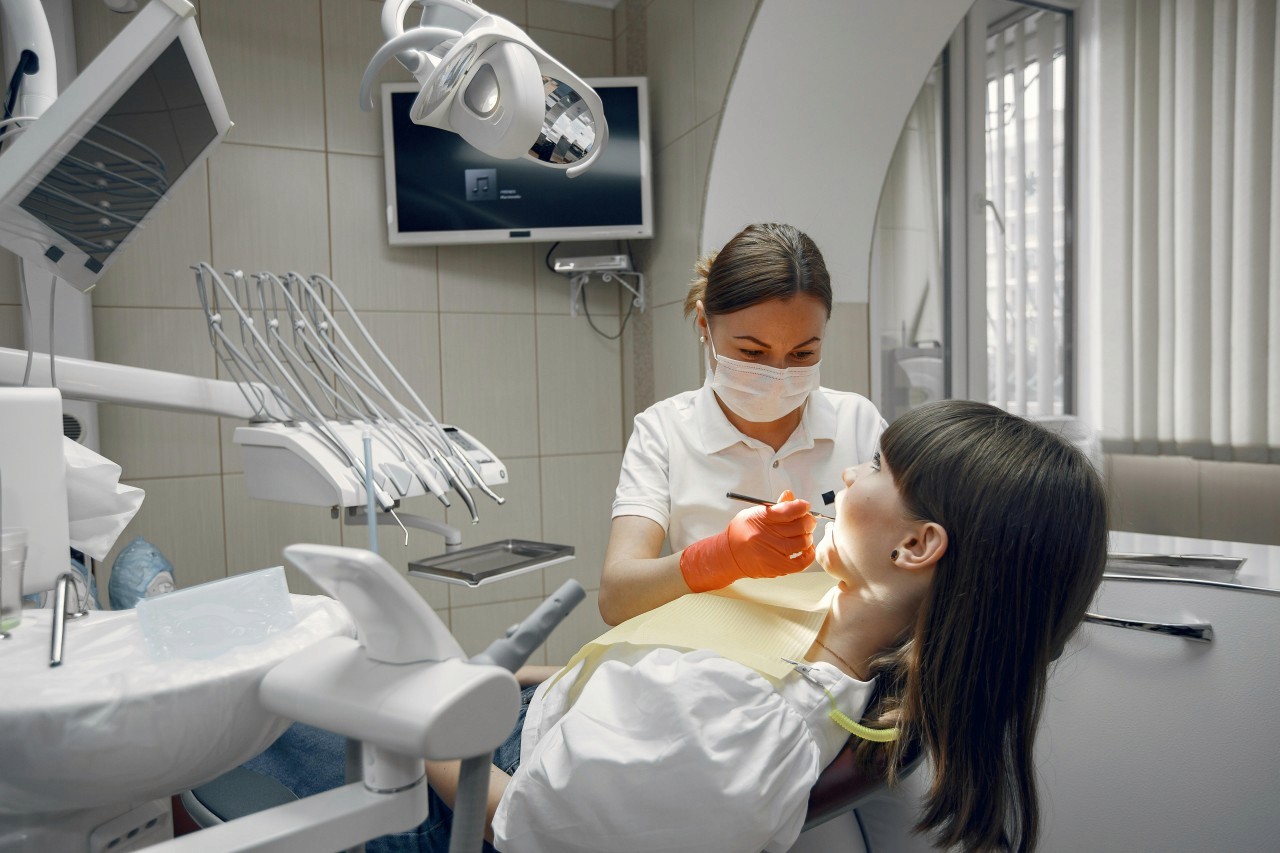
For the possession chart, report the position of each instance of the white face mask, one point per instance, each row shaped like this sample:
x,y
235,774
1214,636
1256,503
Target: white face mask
x,y
757,392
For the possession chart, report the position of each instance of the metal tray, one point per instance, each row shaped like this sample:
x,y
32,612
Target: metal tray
x,y
494,561
1192,566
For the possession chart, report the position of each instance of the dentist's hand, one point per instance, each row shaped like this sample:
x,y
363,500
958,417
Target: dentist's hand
x,y
760,542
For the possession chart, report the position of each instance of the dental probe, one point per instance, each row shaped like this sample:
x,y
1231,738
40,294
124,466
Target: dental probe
x,y
763,502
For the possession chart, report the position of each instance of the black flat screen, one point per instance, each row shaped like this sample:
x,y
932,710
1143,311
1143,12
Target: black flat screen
x,y
445,185
100,191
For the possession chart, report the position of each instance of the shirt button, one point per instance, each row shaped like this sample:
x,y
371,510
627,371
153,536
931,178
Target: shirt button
x,y
775,463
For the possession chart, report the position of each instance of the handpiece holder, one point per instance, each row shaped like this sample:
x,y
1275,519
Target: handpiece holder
x,y
393,627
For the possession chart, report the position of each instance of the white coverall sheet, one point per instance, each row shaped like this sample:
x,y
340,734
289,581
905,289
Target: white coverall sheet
x,y
670,750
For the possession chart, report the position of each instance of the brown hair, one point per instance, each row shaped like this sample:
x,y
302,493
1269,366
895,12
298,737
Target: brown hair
x,y
1025,513
762,262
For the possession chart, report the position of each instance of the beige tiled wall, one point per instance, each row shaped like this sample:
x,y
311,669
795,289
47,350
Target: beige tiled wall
x,y
483,333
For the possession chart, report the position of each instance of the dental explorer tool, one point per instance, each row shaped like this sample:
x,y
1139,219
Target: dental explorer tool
x,y
763,502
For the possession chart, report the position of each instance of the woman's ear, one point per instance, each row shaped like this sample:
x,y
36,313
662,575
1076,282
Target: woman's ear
x,y
700,318
924,548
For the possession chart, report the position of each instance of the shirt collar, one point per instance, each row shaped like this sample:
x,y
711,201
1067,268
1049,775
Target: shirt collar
x,y
818,421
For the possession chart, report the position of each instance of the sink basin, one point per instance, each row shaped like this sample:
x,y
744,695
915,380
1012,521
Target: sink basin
x,y
114,726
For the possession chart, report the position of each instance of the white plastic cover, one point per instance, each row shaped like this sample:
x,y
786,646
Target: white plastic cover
x,y
112,725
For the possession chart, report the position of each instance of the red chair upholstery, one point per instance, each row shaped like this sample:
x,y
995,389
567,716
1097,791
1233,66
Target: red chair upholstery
x,y
843,786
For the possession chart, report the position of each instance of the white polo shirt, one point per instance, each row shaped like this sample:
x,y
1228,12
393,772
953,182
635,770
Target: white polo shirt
x,y
684,455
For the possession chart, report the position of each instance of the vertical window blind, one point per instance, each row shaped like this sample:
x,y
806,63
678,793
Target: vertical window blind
x,y
1183,177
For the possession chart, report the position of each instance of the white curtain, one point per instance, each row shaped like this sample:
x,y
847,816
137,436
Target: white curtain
x,y
1180,181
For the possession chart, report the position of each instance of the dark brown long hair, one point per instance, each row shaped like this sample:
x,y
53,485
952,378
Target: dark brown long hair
x,y
1026,518
761,262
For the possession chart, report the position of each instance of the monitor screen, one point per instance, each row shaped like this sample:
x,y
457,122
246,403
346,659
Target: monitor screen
x,y
120,169
83,180
440,190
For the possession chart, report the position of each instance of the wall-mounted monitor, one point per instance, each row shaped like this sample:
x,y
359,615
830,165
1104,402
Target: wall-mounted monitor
x,y
80,182
440,190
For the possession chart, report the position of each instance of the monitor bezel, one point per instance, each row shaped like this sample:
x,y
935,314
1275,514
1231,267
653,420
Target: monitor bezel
x,y
643,230
28,158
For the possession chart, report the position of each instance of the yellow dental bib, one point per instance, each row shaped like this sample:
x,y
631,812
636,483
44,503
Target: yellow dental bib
x,y
755,622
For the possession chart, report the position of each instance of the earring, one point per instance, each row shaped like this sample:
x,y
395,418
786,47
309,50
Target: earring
x,y
894,555
702,339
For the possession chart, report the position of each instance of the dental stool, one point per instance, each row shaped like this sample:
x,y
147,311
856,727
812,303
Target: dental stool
x,y
234,794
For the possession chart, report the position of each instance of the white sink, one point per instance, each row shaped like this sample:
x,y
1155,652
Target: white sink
x,y
112,726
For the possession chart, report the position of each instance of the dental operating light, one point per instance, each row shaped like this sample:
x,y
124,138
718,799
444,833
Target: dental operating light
x,y
485,79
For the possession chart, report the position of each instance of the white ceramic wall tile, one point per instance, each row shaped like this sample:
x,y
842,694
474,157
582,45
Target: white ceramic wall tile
x,y
586,56
579,374
231,462
422,543
411,341
846,364
678,204
484,279
148,443
513,10
719,30
94,25
372,273
489,380
1154,494
155,269
10,287
571,18
519,518
670,69
182,517
581,626
577,502
258,531
174,339
352,34
269,209
1240,502
267,58
552,289
677,355
11,327
476,627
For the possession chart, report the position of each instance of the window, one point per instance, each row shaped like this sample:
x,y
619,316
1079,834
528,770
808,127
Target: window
x,y
976,300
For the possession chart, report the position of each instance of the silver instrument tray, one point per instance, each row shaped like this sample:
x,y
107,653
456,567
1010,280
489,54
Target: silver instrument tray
x,y
494,561
1192,566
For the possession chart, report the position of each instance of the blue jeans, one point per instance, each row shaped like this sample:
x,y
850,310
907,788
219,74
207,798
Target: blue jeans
x,y
307,761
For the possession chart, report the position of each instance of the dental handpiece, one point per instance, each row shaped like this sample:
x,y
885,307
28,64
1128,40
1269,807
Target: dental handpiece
x,y
763,502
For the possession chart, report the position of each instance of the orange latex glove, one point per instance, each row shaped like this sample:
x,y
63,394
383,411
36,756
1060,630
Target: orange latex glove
x,y
760,542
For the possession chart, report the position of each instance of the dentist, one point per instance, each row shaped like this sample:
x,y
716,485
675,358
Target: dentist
x,y
760,425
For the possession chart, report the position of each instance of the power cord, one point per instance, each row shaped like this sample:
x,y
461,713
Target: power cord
x,y
28,63
631,304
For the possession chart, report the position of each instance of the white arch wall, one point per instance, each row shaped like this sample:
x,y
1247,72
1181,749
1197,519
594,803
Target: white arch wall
x,y
814,110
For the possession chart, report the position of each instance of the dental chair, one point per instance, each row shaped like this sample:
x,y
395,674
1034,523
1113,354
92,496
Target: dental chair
x,y
841,788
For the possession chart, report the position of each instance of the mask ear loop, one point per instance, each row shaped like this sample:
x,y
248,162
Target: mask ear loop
x,y
853,727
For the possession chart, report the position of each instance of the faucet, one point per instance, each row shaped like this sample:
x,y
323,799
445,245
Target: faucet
x,y
60,615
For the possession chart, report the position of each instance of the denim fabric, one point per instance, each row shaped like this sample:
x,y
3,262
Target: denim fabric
x,y
307,760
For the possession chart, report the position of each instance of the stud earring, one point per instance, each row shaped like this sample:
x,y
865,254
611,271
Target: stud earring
x,y
702,339
894,555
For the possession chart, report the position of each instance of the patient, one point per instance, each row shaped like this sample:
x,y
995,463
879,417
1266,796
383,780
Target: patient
x,y
965,553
